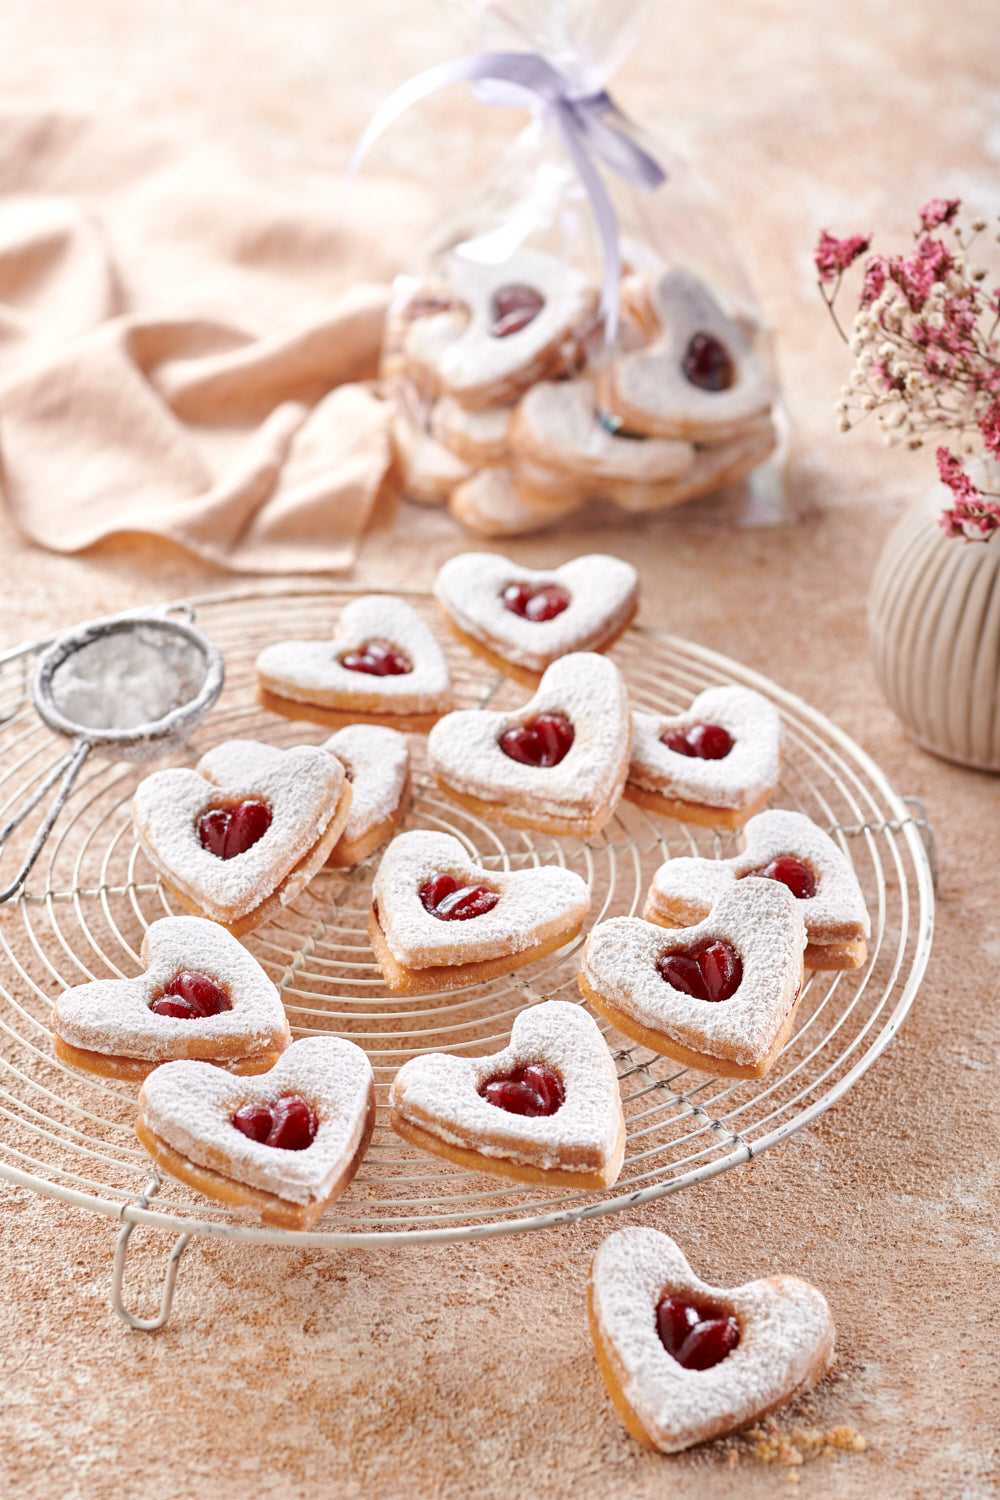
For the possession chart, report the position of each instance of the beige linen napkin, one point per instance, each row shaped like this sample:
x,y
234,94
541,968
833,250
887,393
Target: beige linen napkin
x,y
182,341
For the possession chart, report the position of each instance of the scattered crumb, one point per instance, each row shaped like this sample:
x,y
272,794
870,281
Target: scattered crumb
x,y
795,1446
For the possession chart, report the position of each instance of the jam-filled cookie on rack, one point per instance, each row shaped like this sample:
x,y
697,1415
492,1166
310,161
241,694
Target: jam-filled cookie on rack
x,y
715,765
521,620
720,996
376,761
383,666
685,1361
439,921
783,846
557,764
239,837
546,1109
202,995
280,1147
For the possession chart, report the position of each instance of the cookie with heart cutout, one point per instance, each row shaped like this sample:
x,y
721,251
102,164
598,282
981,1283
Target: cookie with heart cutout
x,y
377,763
478,438
557,764
282,1146
202,996
238,837
495,502
439,921
546,1109
521,620
428,471
720,996
784,846
685,1361
383,665
715,765
699,380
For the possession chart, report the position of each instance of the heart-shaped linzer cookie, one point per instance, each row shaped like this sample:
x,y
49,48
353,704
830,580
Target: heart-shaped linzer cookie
x,y
202,996
522,620
716,764
287,807
719,996
557,764
557,1116
771,1340
784,846
383,665
377,762
186,1123
439,921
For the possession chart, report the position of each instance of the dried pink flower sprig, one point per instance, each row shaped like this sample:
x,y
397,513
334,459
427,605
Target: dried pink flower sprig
x,y
927,353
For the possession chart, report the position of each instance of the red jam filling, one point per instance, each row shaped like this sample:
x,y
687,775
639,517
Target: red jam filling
x,y
707,363
533,1090
513,308
544,741
697,1338
712,972
289,1123
703,741
535,604
450,901
378,659
228,831
190,996
799,877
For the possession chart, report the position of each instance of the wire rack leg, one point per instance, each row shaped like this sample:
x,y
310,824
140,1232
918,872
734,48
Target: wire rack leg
x,y
145,1325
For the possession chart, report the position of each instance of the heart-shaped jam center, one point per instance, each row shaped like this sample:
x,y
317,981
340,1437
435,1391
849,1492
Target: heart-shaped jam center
x,y
707,363
799,877
513,308
531,1090
712,972
228,831
697,1338
378,659
703,741
535,604
450,901
289,1123
544,741
191,995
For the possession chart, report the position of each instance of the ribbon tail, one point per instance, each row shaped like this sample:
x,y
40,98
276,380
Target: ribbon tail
x,y
604,216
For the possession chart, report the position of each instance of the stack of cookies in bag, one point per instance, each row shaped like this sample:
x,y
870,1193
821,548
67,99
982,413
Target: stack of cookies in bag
x,y
510,409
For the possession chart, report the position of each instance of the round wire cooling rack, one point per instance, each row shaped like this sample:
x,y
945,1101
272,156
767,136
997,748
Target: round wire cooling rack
x,y
83,911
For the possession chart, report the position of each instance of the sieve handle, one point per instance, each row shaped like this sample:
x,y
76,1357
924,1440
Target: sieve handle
x,y
69,768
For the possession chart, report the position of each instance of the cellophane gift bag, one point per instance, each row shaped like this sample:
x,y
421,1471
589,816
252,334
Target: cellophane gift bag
x,y
580,331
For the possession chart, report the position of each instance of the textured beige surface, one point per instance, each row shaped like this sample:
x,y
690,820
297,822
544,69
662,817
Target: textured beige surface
x,y
468,1370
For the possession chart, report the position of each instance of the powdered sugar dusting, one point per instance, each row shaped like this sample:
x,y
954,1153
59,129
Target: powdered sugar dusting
x,y
786,1339
440,1093
190,1105
602,592
836,911
379,762
760,919
747,773
463,748
532,903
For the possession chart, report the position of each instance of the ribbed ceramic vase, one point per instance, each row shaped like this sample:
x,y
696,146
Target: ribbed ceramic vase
x,y
935,633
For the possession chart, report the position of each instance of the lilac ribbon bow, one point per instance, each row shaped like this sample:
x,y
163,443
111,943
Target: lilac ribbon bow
x,y
582,121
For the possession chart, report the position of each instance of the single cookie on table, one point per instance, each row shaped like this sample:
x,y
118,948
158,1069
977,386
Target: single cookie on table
x,y
699,380
784,846
716,764
547,1109
526,320
521,620
685,1361
377,763
478,438
202,996
439,921
496,503
383,665
719,996
238,837
282,1146
428,471
557,764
